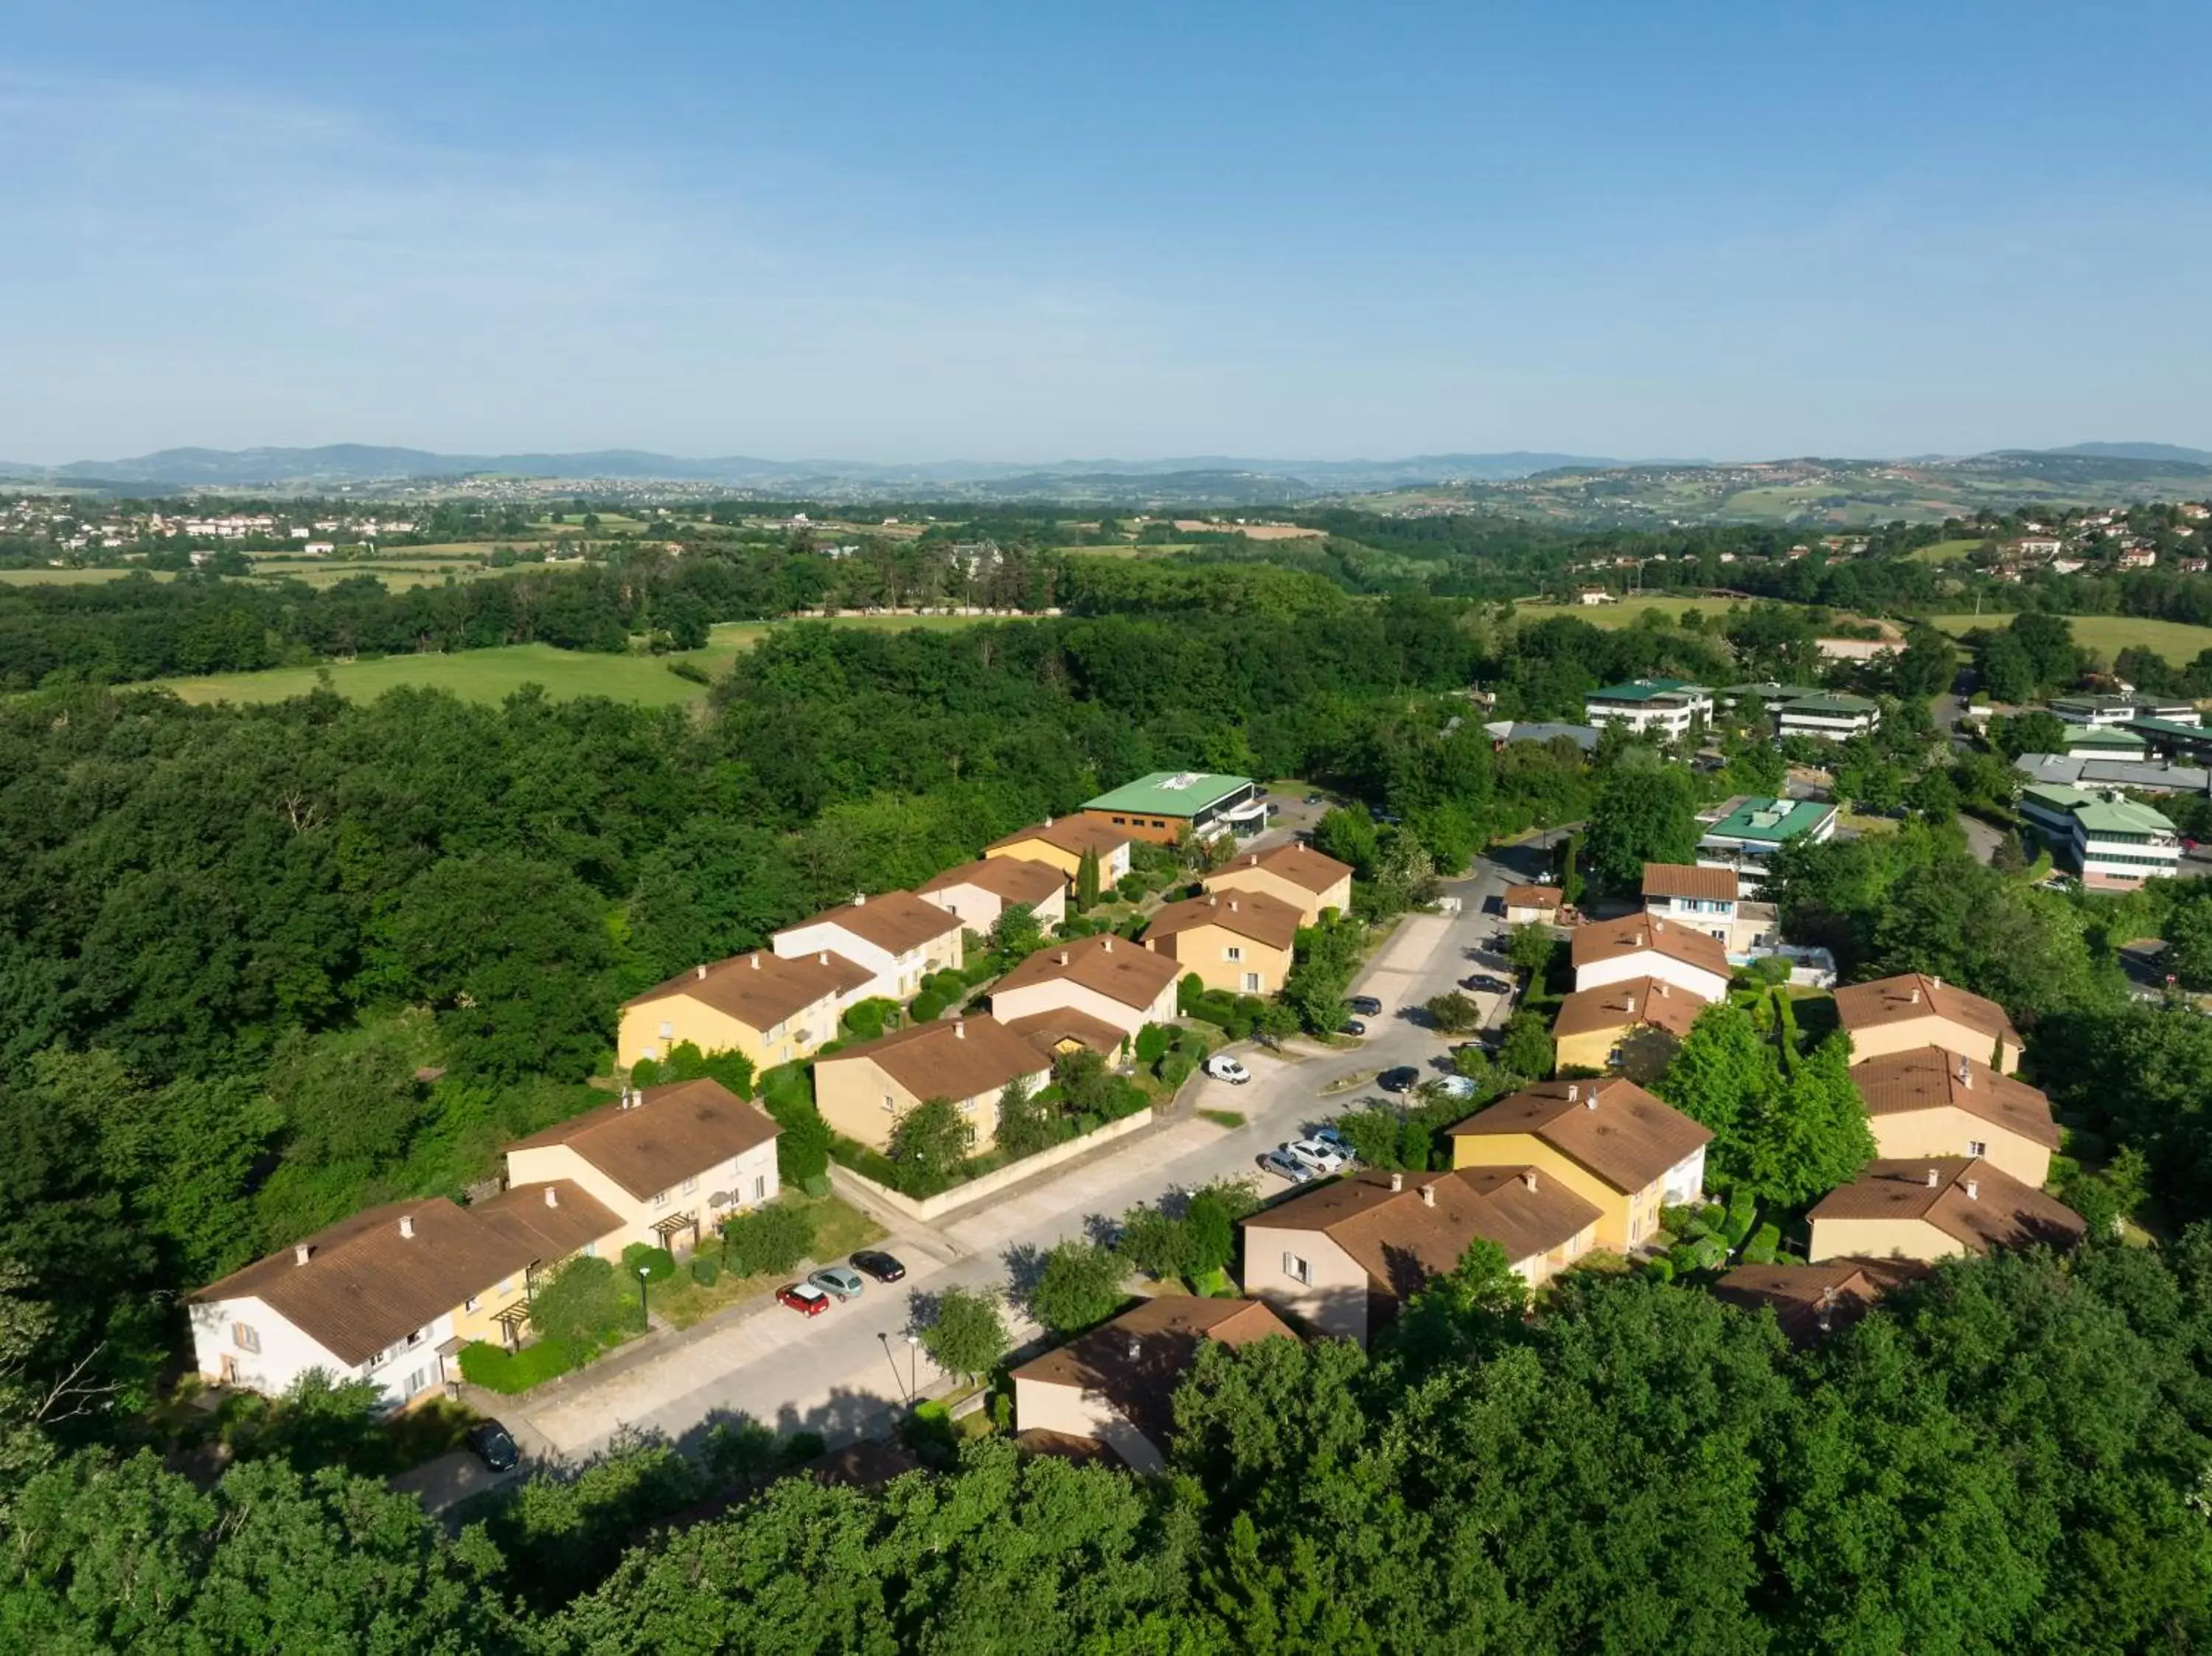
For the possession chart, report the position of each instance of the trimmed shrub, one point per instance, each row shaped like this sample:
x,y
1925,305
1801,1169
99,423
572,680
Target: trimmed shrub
x,y
646,1072
947,985
658,1263
509,1372
1742,1214
766,1241
1132,886
1659,1271
926,1007
1176,1067
1152,1043
1189,993
704,1271
1764,1242
817,1186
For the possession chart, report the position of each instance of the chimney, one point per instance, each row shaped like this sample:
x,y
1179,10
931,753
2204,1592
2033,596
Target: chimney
x,y
1397,1182
700,971
1974,1190
1628,1006
300,1252
1213,901
1589,1098
1429,1194
1528,1179
1662,988
1063,957
756,960
1934,1178
552,1197
959,1028
1232,905
1938,982
1641,940
1136,1348
1965,1076
859,900
1047,821
1106,942
1916,994
1574,1092
407,1225
822,959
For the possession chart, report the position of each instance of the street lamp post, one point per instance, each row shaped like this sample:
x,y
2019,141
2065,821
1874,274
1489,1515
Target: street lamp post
x,y
644,1316
913,1346
885,1339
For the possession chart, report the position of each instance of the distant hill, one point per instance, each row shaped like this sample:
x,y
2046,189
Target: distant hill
x,y
2197,457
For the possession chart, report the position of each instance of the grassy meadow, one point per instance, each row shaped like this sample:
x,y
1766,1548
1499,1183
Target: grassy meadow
x,y
2177,641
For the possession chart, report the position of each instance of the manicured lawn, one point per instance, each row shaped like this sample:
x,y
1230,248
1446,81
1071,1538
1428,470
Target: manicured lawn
x,y
1626,610
73,577
1943,551
2177,641
838,1228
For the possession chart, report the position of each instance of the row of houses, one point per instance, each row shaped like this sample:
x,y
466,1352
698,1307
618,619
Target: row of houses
x,y
1671,708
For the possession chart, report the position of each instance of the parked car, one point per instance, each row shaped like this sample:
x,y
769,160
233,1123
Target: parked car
x,y
493,1446
1403,1079
1321,1157
1222,1067
1456,1086
881,1266
1315,799
1351,1026
1328,1134
1366,1005
1483,982
804,1298
1290,1168
1273,810
838,1281
1486,1043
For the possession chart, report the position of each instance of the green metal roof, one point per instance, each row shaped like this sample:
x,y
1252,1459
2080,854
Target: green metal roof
x,y
2168,727
2120,816
2059,797
1770,820
2102,735
1169,793
1644,690
1819,702
1771,692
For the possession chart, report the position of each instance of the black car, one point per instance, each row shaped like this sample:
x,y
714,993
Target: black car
x,y
1351,1026
1403,1079
1487,984
493,1446
881,1266
1365,1005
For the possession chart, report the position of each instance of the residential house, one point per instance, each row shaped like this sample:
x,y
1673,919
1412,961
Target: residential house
x,y
1607,1140
1342,1257
1707,899
1930,1209
1638,946
1911,1011
1104,977
2113,841
1532,905
670,1163
1300,875
1115,1386
897,936
1748,834
556,1220
1058,1031
976,894
864,1090
1830,717
772,1009
1060,844
1167,806
1594,595
1240,941
1927,1102
387,1296
1666,706
1633,1026
1814,1301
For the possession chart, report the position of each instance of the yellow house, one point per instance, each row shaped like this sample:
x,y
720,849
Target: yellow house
x,y
862,1091
771,1008
1061,842
1343,1256
1531,905
976,894
1897,1014
1930,1102
896,937
555,1221
1642,1019
1932,1208
1294,874
1609,1141
1241,942
669,1162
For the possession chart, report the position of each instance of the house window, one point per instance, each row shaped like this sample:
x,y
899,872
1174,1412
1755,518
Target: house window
x,y
889,1103
469,1304
1234,952
591,1250
691,1184
507,1288
1120,822
668,1032
967,1106
660,1198
1298,1270
245,1337
1975,1147
1251,983
760,1188
416,1338
416,1380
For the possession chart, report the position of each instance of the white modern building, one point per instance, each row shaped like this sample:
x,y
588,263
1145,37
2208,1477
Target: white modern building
x,y
1666,706
1827,718
2113,842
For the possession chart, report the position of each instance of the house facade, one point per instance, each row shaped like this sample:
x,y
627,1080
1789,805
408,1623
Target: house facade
x,y
1531,905
1108,977
1239,941
976,893
1746,837
1632,1025
1912,1010
899,939
1613,952
863,1091
1827,718
1061,843
1342,1257
1298,874
1932,1208
772,1008
1607,1140
670,1163
1931,1102
1666,707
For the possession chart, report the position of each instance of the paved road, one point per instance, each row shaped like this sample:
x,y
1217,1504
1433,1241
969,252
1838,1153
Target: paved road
x,y
845,1373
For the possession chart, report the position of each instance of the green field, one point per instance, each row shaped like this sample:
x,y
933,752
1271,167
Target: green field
x,y
2177,641
70,577
491,675
1943,551
1625,612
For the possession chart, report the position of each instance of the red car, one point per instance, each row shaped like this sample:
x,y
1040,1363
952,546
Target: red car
x,y
804,1298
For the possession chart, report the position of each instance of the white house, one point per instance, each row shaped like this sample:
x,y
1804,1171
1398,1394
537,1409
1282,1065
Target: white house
x,y
976,894
1642,946
896,937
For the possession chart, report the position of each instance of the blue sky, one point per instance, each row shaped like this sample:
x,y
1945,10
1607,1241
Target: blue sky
x,y
923,232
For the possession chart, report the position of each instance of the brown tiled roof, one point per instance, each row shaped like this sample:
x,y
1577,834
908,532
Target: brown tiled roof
x,y
1621,1005
1682,880
1929,1077
1301,865
1627,1138
2002,1212
1841,1291
1606,940
1251,914
668,1135
1401,1241
1072,835
555,1228
895,921
1009,879
1046,1030
1913,995
948,1058
367,1286
1114,967
1532,896
1136,1361
761,990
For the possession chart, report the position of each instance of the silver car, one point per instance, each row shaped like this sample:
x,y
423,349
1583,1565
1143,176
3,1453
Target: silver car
x,y
838,1281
